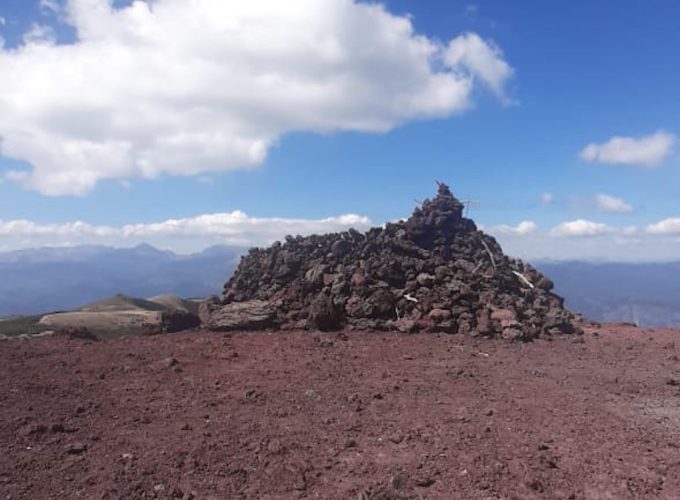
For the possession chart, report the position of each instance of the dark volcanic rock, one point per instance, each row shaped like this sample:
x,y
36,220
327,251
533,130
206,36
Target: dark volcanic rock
x,y
324,315
175,320
75,332
435,272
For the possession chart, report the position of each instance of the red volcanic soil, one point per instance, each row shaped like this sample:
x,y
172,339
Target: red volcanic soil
x,y
346,416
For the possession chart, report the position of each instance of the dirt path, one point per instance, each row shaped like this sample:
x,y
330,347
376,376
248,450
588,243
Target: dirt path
x,y
356,416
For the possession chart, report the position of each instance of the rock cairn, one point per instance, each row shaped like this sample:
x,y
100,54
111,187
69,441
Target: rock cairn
x,y
434,272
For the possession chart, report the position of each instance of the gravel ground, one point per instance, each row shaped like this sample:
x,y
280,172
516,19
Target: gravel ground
x,y
347,416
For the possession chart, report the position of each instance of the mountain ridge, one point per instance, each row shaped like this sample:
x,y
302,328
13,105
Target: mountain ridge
x,y
36,281
48,279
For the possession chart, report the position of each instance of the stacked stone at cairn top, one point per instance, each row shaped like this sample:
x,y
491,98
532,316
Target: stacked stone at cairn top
x,y
434,272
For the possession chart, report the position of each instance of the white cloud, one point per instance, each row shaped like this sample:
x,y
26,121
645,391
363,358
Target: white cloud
x,y
547,198
580,227
627,244
611,204
182,87
522,229
659,241
51,7
2,21
666,226
483,59
471,10
190,233
39,34
647,151
591,241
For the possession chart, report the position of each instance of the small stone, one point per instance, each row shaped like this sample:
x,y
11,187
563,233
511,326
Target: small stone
x,y
406,325
312,394
57,428
397,481
439,315
501,315
274,447
425,279
36,429
76,448
512,333
425,482
340,248
170,362
396,438
358,279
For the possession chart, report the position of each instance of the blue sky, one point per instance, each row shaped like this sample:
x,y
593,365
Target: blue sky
x,y
546,79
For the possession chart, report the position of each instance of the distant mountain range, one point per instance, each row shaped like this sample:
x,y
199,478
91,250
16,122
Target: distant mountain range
x,y
647,294
56,279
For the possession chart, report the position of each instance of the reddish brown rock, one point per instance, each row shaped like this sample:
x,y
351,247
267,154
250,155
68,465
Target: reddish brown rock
x,y
324,315
435,271
76,332
439,315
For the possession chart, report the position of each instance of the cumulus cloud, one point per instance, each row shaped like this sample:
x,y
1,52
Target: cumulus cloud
x,y
612,204
39,34
647,151
482,59
593,241
182,87
522,229
580,227
51,7
192,233
666,226
570,240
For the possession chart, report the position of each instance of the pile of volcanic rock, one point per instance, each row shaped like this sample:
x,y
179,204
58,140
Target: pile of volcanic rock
x,y
434,272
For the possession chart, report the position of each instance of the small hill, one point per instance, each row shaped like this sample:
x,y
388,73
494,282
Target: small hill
x,y
116,316
120,302
175,302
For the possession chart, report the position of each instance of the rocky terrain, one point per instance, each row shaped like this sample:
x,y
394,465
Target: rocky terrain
x,y
344,415
113,317
434,272
347,384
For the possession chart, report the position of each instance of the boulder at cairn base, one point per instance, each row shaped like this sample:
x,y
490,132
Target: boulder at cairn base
x,y
434,272
246,315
